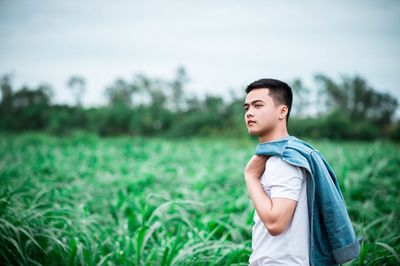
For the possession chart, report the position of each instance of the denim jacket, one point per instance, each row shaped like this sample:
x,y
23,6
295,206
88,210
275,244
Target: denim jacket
x,y
332,237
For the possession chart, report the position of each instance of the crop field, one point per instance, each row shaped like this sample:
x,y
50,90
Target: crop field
x,y
84,200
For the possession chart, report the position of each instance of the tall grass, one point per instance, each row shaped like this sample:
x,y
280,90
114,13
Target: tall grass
x,y
85,200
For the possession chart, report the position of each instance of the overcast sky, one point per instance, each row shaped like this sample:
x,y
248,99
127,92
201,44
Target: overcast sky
x,y
222,44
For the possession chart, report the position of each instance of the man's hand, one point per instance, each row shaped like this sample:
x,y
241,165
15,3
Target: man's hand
x,y
276,214
255,167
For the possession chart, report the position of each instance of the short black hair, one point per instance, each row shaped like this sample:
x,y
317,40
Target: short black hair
x,y
279,91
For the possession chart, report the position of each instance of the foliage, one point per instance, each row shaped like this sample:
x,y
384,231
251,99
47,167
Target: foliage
x,y
85,200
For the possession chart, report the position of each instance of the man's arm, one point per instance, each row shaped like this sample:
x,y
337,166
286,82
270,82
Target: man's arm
x,y
275,213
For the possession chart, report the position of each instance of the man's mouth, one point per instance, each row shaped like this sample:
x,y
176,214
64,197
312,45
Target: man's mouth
x,y
250,122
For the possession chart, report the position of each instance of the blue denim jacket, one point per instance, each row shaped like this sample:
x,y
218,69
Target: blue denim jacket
x,y
332,237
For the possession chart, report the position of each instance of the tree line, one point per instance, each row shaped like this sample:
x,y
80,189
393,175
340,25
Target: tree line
x,y
346,109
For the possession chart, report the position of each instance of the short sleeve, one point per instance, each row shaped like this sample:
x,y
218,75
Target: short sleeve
x,y
284,180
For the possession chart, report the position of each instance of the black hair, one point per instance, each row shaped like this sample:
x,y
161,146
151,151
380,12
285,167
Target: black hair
x,y
279,91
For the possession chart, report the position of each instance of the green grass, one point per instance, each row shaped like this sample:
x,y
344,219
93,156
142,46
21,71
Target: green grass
x,y
84,200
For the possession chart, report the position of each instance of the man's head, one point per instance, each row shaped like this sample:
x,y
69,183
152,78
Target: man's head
x,y
267,106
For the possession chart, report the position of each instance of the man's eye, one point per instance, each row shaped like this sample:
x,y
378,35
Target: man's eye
x,y
258,105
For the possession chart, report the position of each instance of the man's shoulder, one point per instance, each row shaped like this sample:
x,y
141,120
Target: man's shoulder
x,y
278,162
278,165
299,145
291,149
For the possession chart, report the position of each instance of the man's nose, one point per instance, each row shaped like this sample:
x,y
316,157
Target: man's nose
x,y
249,113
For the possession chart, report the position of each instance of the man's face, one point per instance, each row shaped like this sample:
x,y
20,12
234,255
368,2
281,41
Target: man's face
x,y
260,113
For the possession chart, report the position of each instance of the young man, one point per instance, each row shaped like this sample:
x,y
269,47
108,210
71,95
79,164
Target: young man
x,y
300,217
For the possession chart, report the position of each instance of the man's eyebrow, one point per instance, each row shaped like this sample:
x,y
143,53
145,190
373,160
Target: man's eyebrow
x,y
253,102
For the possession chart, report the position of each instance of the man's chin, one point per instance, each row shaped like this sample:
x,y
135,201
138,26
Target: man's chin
x,y
253,133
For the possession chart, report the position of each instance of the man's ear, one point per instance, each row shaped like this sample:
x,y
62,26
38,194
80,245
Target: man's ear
x,y
283,110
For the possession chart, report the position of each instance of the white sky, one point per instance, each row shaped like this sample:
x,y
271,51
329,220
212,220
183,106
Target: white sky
x,y
222,44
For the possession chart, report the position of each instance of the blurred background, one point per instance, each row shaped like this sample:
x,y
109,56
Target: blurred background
x,y
122,140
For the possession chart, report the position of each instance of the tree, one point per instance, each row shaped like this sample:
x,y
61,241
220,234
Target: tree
x,y
26,97
6,95
31,108
177,85
358,100
301,99
77,86
155,90
120,92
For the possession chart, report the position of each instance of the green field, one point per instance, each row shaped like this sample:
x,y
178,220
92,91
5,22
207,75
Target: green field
x,y
84,200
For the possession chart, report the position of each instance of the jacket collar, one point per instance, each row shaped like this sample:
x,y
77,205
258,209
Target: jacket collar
x,y
274,147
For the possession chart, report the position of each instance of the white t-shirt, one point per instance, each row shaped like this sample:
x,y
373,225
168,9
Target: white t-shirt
x,y
281,179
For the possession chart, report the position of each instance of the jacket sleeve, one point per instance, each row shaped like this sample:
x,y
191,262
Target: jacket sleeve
x,y
333,211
